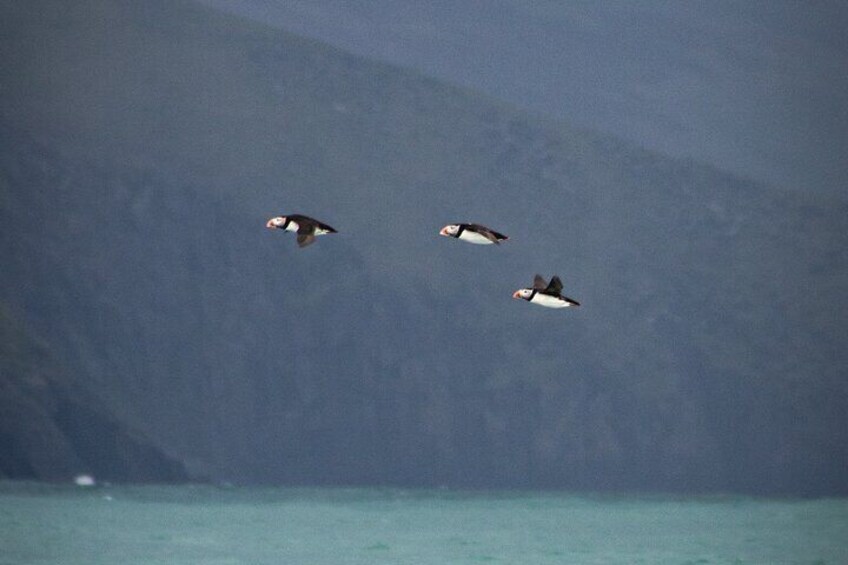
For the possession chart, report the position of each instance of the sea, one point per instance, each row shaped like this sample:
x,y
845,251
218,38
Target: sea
x,y
211,525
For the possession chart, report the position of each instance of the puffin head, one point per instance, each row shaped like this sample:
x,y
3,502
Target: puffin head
x,y
449,230
524,293
277,222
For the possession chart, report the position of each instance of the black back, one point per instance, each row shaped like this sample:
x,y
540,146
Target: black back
x,y
307,225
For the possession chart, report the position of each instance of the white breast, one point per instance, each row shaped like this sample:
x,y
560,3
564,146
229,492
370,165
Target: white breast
x,y
474,237
549,301
292,226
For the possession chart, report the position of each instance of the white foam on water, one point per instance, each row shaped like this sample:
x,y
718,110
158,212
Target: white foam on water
x,y
84,481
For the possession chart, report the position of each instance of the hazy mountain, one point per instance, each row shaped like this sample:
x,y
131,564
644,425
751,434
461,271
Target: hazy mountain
x,y
145,145
754,87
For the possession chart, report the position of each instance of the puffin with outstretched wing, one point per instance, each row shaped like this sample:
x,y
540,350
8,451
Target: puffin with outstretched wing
x,y
307,228
545,294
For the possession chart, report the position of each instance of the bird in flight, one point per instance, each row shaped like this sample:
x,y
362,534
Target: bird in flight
x,y
473,233
546,294
307,228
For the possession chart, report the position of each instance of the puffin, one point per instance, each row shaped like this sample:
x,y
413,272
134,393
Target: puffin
x,y
473,233
307,228
546,294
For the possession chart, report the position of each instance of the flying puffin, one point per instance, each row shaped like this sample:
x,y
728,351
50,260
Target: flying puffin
x,y
473,233
307,228
546,294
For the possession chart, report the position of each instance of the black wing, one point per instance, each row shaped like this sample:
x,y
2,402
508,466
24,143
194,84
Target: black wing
x,y
555,287
539,283
488,233
304,239
306,228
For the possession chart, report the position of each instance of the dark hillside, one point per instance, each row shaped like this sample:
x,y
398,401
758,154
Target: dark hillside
x,y
52,430
144,145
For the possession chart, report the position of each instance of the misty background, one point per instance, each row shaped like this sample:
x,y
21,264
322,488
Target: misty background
x,y
757,88
678,165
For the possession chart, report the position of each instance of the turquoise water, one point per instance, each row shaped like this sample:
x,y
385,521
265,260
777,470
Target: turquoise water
x,y
204,524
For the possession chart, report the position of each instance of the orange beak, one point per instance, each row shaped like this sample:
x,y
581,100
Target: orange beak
x,y
443,231
269,224
516,294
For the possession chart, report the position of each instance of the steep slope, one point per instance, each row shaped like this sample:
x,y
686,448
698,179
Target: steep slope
x,y
53,429
144,145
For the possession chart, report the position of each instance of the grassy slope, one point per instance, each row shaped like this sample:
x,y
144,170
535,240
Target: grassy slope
x,y
144,146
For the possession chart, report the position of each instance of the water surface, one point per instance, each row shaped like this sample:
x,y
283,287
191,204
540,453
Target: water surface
x,y
67,525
